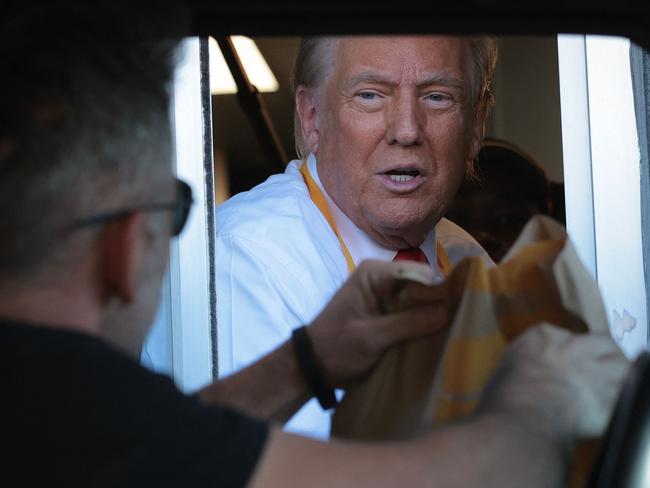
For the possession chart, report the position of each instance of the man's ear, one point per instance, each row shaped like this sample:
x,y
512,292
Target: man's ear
x,y
123,243
307,112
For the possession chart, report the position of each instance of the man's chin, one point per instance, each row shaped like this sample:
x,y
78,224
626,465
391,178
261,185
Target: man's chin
x,y
398,231
401,215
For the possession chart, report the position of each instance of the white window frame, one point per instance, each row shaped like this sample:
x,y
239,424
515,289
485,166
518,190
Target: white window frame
x,y
602,176
601,171
181,343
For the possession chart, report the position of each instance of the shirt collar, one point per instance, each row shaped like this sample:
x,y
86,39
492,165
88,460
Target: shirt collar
x,y
360,244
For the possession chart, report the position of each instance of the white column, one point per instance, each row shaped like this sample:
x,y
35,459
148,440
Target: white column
x,y
617,185
189,264
576,147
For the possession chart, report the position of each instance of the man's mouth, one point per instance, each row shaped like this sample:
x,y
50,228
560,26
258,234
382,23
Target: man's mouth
x,y
402,175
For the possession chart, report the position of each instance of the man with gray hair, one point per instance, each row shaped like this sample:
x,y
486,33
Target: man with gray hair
x,y
89,206
386,128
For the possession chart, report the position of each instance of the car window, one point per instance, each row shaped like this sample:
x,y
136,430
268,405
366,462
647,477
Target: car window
x,y
574,106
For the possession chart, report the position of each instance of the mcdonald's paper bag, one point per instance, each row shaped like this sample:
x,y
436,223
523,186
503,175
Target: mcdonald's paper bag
x,y
421,383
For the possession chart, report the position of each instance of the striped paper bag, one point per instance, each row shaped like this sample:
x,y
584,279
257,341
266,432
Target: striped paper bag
x,y
425,382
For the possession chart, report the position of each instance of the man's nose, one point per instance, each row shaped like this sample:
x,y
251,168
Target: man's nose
x,y
404,125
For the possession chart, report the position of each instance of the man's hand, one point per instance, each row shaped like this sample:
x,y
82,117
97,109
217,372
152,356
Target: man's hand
x,y
559,384
354,329
349,336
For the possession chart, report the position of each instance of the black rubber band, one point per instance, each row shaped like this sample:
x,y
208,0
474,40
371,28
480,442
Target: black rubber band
x,y
311,369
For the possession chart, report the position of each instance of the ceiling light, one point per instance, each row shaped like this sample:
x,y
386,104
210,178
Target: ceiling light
x,y
256,67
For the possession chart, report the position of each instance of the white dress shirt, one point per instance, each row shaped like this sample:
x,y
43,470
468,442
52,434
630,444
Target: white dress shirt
x,y
279,263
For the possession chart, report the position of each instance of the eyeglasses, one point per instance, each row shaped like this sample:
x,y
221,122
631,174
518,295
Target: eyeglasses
x,y
181,208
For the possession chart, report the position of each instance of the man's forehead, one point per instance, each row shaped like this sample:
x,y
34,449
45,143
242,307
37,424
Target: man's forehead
x,y
432,51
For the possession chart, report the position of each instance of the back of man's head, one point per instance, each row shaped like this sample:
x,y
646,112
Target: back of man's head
x,y
84,124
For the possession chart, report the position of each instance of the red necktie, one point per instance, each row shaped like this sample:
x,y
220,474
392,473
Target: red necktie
x,y
411,254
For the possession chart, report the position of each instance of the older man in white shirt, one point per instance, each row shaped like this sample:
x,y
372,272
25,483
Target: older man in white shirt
x,y
388,126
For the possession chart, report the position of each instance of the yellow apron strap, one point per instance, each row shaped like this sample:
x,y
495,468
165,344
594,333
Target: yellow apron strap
x,y
443,260
319,200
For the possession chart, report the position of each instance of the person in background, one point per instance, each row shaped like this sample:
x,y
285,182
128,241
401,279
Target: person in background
x,y
508,189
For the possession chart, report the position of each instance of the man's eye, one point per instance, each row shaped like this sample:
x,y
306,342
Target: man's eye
x,y
367,96
439,99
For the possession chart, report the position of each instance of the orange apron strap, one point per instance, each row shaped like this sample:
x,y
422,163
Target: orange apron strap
x,y
319,200
443,260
